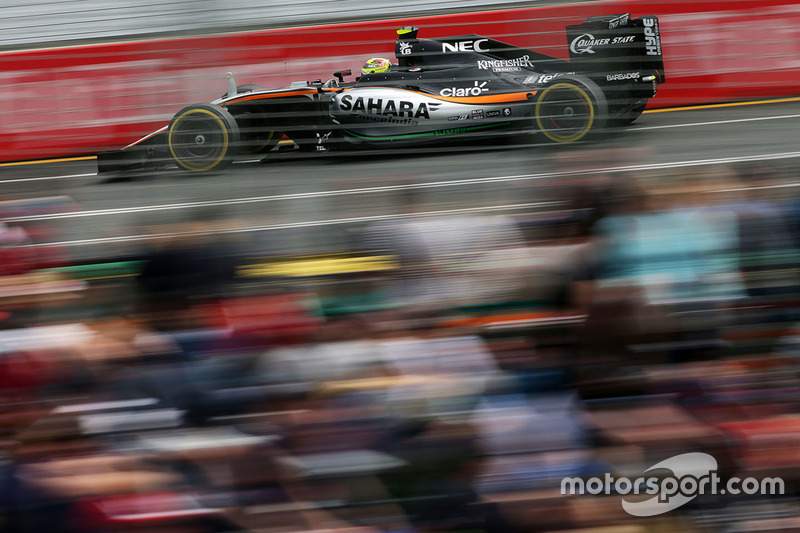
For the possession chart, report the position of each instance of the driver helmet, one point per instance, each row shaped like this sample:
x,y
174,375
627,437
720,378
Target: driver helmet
x,y
375,65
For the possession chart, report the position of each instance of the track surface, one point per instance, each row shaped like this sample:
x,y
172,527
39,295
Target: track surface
x,y
293,205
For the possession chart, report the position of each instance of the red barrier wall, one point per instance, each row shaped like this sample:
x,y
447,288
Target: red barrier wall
x,y
80,100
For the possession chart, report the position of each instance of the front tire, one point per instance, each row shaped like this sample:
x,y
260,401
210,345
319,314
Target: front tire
x,y
569,110
203,137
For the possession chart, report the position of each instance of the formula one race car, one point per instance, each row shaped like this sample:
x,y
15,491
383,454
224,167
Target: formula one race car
x,y
446,89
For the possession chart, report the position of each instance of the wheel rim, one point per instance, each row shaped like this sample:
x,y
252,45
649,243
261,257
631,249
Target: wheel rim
x,y
564,112
198,139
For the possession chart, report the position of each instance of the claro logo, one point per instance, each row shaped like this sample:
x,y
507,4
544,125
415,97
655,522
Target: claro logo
x,y
465,46
475,90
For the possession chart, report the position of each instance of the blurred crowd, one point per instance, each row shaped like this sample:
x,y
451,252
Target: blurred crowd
x,y
447,379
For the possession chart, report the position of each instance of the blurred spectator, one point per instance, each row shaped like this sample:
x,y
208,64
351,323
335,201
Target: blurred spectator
x,y
196,265
55,466
768,232
450,261
664,264
15,256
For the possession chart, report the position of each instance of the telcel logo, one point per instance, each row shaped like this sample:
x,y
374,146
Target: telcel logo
x,y
464,46
476,90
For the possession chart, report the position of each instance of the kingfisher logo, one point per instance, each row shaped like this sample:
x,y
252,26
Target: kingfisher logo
x,y
387,108
505,65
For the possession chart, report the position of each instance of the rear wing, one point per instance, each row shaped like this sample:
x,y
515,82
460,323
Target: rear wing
x,y
617,44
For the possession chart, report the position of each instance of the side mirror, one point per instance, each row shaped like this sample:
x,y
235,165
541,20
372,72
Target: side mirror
x,y
231,85
341,74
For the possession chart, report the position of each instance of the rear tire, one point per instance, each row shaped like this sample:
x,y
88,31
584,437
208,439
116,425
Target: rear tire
x,y
203,137
570,110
